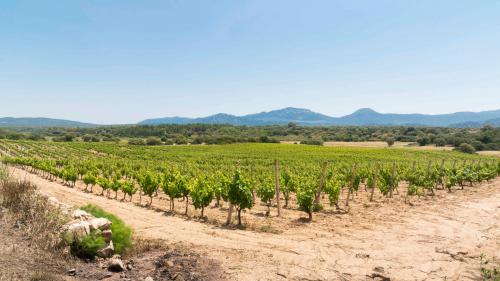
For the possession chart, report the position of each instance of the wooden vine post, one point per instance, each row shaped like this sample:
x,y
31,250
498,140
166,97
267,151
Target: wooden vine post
x,y
393,175
351,184
277,179
377,168
321,185
229,214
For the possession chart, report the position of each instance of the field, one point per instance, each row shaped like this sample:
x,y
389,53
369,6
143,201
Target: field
x,y
421,199
310,178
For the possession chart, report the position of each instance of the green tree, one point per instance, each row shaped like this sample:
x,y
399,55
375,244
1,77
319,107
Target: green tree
x,y
465,148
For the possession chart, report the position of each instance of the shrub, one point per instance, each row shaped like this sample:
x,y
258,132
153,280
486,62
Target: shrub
x,y
440,142
122,234
136,142
153,141
390,141
465,148
87,247
312,142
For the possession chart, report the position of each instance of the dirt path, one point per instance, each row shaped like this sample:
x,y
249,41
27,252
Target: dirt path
x,y
428,242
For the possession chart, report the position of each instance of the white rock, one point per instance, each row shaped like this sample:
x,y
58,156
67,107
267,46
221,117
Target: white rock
x,y
79,229
53,201
115,265
149,278
100,223
107,251
81,214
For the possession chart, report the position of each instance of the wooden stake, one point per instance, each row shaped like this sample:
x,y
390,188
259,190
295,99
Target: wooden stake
x,y
393,173
375,181
277,179
321,184
351,185
229,214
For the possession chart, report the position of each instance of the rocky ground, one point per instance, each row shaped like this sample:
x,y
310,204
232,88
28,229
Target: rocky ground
x,y
21,258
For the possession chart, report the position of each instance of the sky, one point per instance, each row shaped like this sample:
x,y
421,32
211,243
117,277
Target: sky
x,y
111,62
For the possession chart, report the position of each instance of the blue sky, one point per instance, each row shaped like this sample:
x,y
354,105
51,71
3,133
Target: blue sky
x,y
124,61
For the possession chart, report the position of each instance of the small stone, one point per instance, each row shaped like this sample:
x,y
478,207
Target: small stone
x,y
17,224
107,235
169,263
72,272
100,223
378,269
115,265
105,276
79,229
149,278
53,201
130,266
107,251
81,214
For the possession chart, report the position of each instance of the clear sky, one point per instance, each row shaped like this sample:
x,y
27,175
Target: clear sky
x,y
124,61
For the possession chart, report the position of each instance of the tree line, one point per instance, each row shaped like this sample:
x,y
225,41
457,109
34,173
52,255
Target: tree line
x,y
485,138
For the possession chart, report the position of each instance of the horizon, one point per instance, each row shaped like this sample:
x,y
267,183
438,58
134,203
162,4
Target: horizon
x,y
122,62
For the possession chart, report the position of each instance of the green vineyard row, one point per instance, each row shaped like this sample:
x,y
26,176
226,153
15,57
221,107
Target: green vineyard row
x,y
239,173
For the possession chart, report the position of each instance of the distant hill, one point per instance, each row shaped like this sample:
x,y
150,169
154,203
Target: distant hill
x,y
361,117
40,122
492,122
300,116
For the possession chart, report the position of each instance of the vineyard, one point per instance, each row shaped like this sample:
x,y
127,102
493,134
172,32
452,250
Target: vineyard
x,y
274,179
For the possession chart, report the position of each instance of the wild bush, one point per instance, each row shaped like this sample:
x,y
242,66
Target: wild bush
x,y
122,234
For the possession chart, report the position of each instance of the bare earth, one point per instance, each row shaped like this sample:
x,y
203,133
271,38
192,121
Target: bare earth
x,y
436,238
379,144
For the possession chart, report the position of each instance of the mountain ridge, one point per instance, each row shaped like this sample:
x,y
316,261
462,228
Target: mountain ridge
x,y
41,122
360,117
300,116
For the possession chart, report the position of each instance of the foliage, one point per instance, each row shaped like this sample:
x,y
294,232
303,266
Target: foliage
x,y
266,191
488,272
305,197
202,193
87,247
465,148
240,194
122,234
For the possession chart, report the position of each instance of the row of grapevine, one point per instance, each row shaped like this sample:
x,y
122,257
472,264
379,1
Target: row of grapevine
x,y
201,182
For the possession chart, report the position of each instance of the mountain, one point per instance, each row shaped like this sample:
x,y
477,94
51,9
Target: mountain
x,y
275,117
290,114
300,116
491,122
41,122
361,117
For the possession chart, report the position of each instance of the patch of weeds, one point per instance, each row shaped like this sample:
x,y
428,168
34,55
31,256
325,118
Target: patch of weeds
x,y
489,272
86,247
122,234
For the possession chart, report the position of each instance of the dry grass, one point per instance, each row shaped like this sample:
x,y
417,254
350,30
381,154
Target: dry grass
x,y
382,144
42,222
490,153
